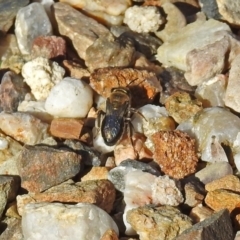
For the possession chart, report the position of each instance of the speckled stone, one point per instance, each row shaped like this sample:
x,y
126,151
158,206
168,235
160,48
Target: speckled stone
x,y
42,167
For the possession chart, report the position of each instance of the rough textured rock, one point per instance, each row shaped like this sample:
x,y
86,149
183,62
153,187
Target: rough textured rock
x,y
220,199
175,153
181,106
140,82
23,127
29,26
13,230
229,182
110,235
8,190
206,62
214,171
98,192
232,99
50,47
12,91
68,128
210,8
190,40
42,167
110,52
42,75
216,227
82,30
8,11
158,223
61,221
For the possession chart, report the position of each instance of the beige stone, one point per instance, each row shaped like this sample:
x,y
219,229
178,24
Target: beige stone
x,y
96,173
229,182
200,212
110,235
220,199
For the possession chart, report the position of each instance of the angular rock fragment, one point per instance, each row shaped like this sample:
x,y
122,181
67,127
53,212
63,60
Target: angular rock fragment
x,y
29,26
42,167
213,172
163,222
13,230
82,30
12,91
110,235
8,12
175,153
23,127
216,227
107,51
50,47
221,198
200,213
64,221
181,106
140,82
228,182
98,192
68,128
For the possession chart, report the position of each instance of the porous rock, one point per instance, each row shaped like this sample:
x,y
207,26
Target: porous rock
x,y
140,82
41,75
163,222
42,167
58,221
175,153
181,106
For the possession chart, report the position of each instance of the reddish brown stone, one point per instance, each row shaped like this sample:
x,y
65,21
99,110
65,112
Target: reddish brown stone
x,y
42,167
175,153
67,128
50,47
12,91
98,192
143,85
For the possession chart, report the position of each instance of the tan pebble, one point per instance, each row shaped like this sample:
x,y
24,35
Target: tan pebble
x,y
96,173
229,182
200,212
110,235
220,199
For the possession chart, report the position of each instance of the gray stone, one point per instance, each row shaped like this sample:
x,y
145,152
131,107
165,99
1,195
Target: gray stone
x,y
31,22
108,52
8,11
117,174
82,30
217,227
90,156
42,167
61,221
12,91
210,8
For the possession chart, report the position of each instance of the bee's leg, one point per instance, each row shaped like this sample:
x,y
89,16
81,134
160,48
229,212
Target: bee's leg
x,y
98,122
133,110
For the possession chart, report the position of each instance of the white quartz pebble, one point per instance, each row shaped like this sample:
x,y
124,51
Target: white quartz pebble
x,y
69,98
55,221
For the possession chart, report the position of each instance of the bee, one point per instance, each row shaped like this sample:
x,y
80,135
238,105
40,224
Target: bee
x,y
117,117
